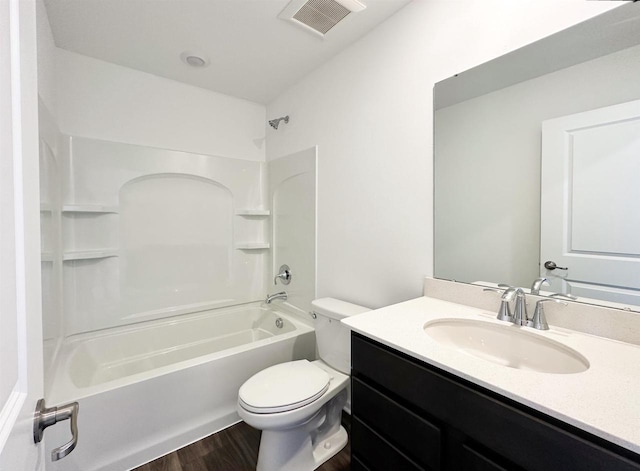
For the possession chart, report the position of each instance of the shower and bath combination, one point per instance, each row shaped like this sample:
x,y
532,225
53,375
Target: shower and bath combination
x,y
274,123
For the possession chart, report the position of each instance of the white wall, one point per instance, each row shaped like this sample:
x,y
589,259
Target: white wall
x,y
46,59
100,100
369,110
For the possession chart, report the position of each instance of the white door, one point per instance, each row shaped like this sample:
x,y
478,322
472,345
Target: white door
x,y
20,318
590,210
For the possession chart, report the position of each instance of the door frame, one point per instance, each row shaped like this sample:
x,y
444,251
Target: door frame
x,y
17,448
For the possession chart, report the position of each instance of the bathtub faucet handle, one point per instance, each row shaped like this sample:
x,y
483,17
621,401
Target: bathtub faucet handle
x,y
284,275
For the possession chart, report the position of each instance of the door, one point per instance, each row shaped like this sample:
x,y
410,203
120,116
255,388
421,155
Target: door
x,y
590,195
20,318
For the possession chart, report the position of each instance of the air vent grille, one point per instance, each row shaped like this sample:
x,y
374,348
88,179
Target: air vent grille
x,y
321,15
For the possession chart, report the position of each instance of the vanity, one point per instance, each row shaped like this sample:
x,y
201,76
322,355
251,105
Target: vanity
x,y
433,403
536,178
536,183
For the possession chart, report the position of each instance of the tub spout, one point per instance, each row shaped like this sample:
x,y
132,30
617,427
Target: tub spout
x,y
281,295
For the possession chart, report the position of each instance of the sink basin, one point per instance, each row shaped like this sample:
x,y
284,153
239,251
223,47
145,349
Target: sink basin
x,y
507,345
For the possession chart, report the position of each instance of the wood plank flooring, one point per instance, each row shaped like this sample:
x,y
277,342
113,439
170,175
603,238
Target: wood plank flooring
x,y
233,449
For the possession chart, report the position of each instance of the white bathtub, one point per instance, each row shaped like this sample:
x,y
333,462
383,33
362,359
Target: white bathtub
x,y
149,389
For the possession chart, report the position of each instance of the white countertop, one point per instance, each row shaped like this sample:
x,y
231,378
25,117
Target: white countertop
x,y
604,400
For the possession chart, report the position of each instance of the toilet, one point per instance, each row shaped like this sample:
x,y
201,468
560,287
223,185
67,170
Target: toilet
x,y
298,405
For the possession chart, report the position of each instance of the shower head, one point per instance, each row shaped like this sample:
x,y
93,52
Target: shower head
x,y
274,123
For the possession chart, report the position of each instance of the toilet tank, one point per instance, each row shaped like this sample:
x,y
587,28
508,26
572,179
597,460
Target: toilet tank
x,y
333,337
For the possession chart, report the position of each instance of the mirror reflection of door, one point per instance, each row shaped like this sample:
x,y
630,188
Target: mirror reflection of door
x,y
590,222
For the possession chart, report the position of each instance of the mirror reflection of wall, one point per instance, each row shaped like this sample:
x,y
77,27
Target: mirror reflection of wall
x,y
488,150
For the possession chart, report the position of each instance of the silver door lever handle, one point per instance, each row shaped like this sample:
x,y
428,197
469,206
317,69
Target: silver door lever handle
x,y
46,416
549,265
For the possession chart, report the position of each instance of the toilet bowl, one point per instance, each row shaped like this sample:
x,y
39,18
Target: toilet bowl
x,y
298,405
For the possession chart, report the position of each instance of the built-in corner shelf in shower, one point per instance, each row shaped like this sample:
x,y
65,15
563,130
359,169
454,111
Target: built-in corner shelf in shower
x,y
46,208
90,254
252,245
88,208
253,212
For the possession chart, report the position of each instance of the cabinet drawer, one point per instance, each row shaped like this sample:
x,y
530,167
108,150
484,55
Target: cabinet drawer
x,y
519,434
414,436
376,452
391,373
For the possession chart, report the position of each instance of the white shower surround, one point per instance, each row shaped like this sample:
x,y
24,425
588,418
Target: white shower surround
x,y
149,389
150,233
292,190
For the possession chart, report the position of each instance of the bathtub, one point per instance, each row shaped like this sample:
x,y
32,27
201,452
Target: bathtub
x,y
149,389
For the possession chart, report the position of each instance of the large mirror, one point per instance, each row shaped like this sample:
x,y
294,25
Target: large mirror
x,y
537,165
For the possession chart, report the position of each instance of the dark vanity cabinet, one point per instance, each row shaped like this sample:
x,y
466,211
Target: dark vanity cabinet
x,y
408,415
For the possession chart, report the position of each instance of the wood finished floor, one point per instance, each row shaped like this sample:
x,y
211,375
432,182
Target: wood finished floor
x,y
233,449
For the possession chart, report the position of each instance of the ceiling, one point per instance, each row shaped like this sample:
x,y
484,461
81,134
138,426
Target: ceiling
x,y
253,54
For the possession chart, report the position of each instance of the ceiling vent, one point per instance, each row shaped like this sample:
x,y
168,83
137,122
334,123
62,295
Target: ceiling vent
x,y
319,16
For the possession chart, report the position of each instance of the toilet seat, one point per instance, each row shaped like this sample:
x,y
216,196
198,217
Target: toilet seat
x,y
284,387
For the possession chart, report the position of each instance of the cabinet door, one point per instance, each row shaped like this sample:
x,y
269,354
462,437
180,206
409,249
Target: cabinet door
x,y
409,433
475,459
356,464
377,453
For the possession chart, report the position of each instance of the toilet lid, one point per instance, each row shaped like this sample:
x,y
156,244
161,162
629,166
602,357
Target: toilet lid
x,y
283,387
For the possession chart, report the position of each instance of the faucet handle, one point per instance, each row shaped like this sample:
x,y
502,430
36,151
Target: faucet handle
x,y
284,275
505,292
539,320
506,295
568,296
494,290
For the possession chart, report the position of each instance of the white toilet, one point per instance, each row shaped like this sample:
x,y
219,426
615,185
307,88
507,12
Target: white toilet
x,y
298,404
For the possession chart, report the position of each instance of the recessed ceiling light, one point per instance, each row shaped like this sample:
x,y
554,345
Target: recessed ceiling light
x,y
194,59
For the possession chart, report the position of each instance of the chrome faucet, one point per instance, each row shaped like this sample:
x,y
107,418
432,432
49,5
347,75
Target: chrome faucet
x,y
537,284
281,295
520,312
519,316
